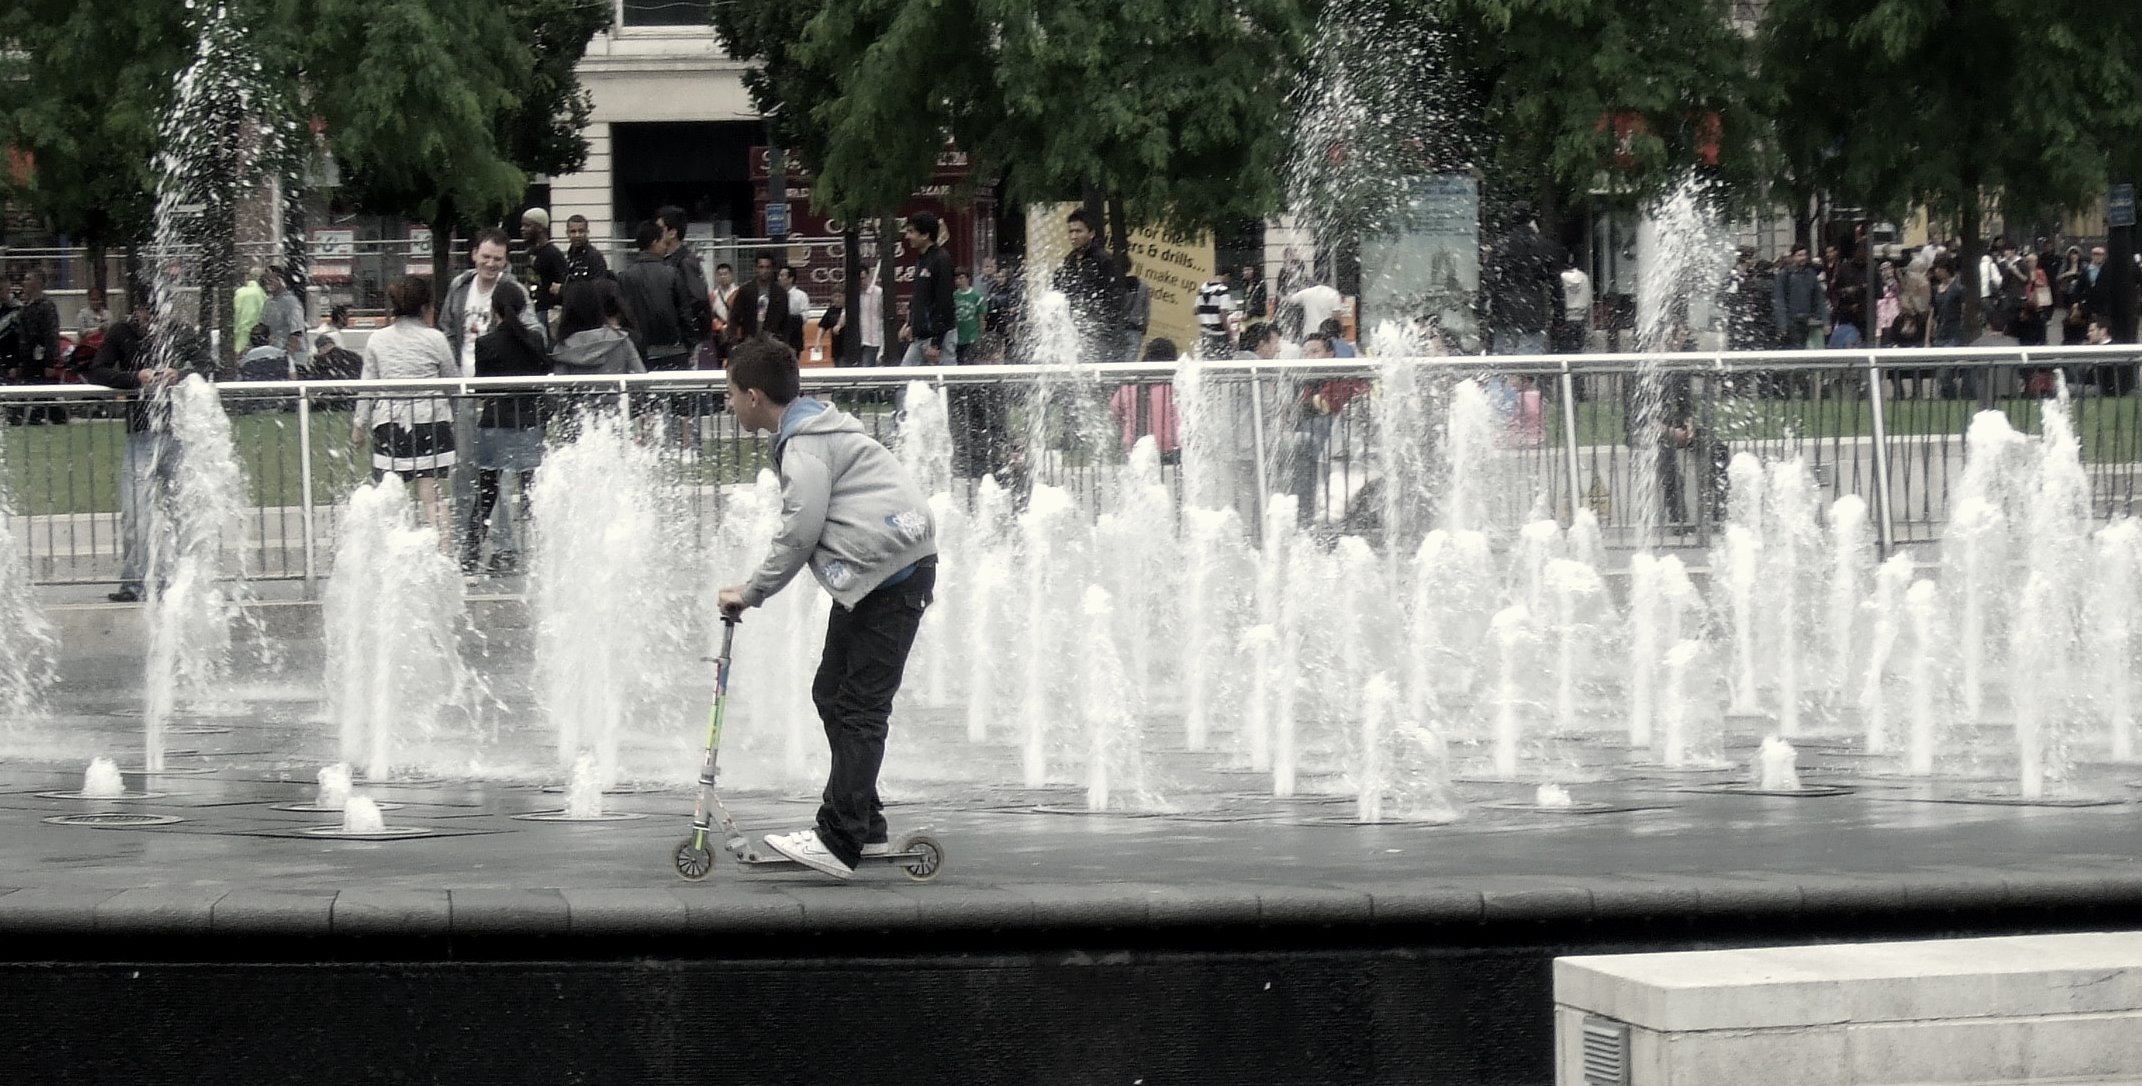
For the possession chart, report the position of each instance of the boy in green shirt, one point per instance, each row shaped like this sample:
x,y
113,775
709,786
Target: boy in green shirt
x,y
968,305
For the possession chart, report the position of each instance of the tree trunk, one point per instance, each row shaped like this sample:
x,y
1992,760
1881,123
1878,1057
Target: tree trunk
x,y
1118,226
99,278
1803,217
889,302
297,257
1967,254
850,346
442,243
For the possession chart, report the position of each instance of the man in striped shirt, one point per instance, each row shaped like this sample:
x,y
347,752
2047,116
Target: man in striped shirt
x,y
1215,316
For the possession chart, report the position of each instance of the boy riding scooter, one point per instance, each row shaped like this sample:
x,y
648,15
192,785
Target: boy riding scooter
x,y
852,513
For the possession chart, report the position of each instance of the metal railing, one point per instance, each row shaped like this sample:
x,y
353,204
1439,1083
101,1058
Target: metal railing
x,y
1886,425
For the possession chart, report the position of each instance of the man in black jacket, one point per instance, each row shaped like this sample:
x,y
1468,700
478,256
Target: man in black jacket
x,y
678,253
760,305
932,329
37,347
1524,286
547,269
657,302
1089,282
150,459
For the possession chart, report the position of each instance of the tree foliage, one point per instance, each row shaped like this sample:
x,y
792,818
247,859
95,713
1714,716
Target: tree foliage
x,y
1907,102
83,95
1180,109
439,109
1632,92
1177,110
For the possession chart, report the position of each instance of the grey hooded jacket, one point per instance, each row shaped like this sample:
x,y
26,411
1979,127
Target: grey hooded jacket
x,y
849,510
597,350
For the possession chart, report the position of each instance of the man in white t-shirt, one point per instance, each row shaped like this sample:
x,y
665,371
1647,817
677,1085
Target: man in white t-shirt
x,y
467,315
872,315
1576,316
1317,302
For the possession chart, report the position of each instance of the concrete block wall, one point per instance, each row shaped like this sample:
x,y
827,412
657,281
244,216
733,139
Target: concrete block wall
x,y
2010,1011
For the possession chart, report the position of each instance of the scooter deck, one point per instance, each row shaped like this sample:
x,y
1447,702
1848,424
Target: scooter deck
x,y
755,858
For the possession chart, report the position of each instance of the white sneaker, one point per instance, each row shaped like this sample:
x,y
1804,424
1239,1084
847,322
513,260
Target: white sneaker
x,y
874,848
805,848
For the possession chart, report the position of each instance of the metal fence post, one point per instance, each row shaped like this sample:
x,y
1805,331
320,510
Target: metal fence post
x,y
1885,527
1256,422
305,524
1569,438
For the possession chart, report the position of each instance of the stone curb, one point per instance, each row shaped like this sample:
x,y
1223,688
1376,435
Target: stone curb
x,y
766,907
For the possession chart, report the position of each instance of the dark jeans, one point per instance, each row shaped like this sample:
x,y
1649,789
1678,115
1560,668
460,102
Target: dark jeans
x,y
489,485
1672,501
865,658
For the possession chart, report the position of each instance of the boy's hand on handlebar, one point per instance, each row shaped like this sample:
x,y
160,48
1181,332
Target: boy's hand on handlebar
x,y
731,601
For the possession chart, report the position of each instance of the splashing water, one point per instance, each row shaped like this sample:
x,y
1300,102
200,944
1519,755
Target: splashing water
x,y
988,609
603,566
1777,766
1042,529
1920,604
1890,583
1685,257
196,570
334,791
102,781
1115,764
362,815
1213,544
393,605
1676,703
1851,564
29,649
2118,574
583,790
1510,628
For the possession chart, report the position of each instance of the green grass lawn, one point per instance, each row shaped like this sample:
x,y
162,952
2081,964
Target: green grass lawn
x,y
75,468
2110,429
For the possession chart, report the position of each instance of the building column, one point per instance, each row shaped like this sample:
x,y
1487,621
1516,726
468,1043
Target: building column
x,y
588,192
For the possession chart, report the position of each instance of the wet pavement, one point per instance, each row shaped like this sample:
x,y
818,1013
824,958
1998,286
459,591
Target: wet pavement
x,y
1640,839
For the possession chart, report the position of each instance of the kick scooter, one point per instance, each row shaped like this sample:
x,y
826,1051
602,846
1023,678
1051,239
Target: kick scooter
x,y
918,854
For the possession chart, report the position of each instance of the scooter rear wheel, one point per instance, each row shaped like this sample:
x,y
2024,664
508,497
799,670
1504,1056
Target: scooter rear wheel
x,y
929,858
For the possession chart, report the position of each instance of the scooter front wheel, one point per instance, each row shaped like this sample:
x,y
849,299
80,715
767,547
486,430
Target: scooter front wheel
x,y
694,862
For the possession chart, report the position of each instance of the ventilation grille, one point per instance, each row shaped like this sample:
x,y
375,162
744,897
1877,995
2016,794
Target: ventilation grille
x,y
1606,1052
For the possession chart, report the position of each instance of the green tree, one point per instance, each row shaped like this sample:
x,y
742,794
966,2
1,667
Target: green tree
x,y
1632,91
83,92
2007,106
439,109
1176,112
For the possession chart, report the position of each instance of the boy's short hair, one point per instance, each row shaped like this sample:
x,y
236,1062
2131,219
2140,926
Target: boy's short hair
x,y
766,364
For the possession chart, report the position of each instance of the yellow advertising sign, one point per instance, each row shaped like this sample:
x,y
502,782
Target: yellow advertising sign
x,y
1173,270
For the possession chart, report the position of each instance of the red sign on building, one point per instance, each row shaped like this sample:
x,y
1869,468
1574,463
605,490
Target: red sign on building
x,y
968,231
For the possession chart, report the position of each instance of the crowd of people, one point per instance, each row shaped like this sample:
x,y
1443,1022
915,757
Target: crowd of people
x,y
570,311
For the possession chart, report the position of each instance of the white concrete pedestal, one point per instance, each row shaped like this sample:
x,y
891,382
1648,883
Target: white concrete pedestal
x,y
2029,1009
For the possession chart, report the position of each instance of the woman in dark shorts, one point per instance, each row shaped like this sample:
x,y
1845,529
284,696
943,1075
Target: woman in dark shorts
x,y
411,436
